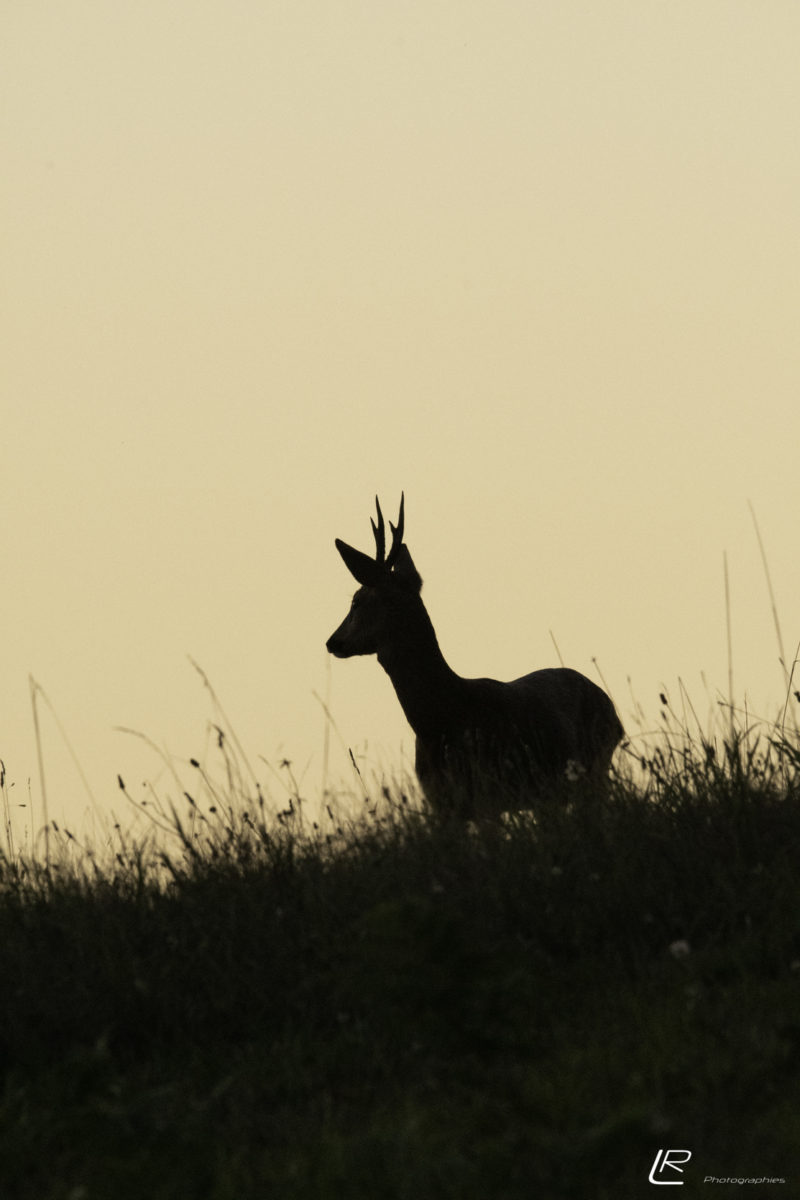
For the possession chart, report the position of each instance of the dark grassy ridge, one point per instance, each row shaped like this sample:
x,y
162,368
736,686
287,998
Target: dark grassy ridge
x,y
415,1010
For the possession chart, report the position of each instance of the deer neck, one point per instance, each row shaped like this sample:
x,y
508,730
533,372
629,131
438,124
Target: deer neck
x,y
425,685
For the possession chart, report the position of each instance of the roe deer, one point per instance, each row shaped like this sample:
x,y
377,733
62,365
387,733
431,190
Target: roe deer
x,y
482,746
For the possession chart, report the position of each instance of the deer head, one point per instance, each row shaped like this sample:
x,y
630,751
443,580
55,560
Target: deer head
x,y
389,582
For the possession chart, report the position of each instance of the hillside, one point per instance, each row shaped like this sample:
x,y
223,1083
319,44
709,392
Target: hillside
x,y
401,1009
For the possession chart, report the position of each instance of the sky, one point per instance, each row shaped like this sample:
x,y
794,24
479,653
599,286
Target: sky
x,y
536,264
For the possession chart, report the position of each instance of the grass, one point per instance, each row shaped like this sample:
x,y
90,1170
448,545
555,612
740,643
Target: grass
x,y
252,1006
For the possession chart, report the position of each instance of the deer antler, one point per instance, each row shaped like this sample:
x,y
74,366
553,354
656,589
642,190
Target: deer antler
x,y
380,535
371,572
397,535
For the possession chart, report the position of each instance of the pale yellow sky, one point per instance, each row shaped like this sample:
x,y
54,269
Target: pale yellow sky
x,y
536,263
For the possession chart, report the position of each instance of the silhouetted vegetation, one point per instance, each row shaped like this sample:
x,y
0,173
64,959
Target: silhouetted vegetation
x,y
397,1007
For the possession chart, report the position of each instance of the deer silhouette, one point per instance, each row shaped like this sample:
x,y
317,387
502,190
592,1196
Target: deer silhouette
x,y
482,746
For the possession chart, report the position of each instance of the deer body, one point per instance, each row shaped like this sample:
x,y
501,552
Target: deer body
x,y
481,744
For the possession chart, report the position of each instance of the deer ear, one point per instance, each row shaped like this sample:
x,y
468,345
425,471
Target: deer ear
x,y
363,568
405,572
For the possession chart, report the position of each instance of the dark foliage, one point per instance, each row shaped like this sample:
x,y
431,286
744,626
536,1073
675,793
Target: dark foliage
x,y
411,1009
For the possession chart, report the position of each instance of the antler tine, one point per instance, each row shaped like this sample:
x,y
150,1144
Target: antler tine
x,y
380,534
397,534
